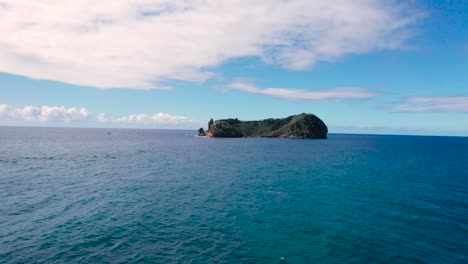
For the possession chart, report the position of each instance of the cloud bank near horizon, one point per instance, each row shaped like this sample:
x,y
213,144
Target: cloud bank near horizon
x,y
61,114
143,44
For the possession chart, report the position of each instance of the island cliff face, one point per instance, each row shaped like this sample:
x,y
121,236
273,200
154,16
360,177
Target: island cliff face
x,y
296,126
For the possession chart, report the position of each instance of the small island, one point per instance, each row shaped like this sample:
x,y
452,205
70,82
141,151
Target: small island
x,y
295,126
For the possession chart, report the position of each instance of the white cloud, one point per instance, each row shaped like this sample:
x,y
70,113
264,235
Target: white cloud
x,y
341,93
44,114
143,43
62,114
454,104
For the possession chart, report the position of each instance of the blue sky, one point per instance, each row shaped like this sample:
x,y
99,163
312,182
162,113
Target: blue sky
x,y
388,67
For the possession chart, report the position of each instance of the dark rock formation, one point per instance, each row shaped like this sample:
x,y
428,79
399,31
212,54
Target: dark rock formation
x,y
210,123
201,132
296,126
224,129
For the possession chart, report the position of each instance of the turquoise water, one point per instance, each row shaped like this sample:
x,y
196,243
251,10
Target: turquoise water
x,y
152,196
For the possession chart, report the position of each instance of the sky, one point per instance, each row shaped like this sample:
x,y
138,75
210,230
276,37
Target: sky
x,y
377,67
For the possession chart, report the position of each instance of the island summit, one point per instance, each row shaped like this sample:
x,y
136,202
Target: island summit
x,y
295,126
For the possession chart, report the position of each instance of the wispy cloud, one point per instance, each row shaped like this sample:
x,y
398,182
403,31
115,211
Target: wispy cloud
x,y
342,93
454,104
145,119
61,114
142,44
389,130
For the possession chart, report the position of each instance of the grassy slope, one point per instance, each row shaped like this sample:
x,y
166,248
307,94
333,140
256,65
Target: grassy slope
x,y
297,126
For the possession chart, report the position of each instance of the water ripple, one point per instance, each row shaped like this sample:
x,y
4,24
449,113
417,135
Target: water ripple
x,y
167,197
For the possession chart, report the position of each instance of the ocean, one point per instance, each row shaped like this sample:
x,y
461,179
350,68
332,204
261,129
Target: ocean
x,y
70,195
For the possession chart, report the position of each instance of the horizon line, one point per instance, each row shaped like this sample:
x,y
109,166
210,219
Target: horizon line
x,y
187,129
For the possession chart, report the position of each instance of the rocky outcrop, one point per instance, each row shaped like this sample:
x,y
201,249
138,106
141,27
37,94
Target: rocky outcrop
x,y
210,123
296,126
224,129
201,132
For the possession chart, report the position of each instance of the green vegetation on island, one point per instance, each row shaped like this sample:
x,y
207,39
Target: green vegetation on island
x,y
295,126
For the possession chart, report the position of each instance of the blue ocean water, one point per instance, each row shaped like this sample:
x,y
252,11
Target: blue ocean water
x,y
155,196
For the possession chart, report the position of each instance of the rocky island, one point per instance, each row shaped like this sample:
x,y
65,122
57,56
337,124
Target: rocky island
x,y
295,126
